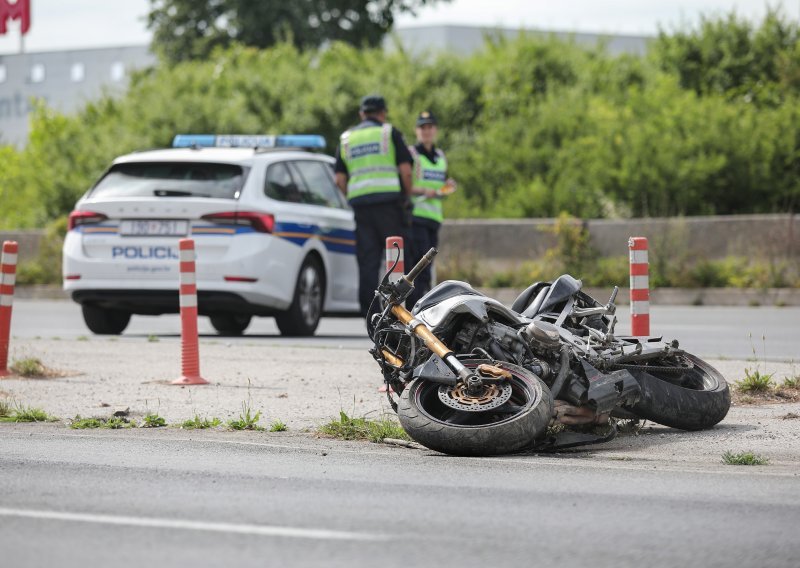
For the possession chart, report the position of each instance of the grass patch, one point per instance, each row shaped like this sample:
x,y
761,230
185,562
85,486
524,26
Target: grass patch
x,y
153,339
113,423
82,338
21,413
792,382
153,421
29,367
278,426
198,423
5,408
743,458
755,381
351,428
247,420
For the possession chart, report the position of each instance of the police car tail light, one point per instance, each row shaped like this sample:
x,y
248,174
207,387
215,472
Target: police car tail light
x,y
78,218
261,222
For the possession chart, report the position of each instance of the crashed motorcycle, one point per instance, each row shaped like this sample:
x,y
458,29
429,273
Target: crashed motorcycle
x,y
469,376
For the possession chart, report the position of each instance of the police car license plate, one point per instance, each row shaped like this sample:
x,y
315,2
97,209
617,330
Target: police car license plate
x,y
151,227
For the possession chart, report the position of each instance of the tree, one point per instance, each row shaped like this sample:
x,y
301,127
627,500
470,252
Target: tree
x,y
192,29
731,56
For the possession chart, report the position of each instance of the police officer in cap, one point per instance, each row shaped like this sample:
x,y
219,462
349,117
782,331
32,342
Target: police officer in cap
x,y
373,170
429,185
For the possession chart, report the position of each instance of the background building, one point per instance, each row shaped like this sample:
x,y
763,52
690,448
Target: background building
x,y
64,80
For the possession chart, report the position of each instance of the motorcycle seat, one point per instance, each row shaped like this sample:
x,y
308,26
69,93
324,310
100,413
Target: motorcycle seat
x,y
528,296
547,296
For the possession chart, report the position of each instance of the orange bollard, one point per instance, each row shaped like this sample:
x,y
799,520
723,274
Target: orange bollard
x,y
640,287
391,255
190,351
8,277
399,269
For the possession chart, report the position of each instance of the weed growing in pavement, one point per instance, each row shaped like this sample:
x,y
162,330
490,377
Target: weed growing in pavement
x,y
152,421
278,426
247,420
29,367
113,423
153,339
198,423
5,408
792,382
349,428
21,413
82,338
755,381
743,458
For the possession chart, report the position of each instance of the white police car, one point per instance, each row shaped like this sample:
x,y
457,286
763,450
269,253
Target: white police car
x,y
273,234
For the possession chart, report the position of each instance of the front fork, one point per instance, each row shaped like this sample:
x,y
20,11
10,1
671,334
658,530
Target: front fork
x,y
396,294
471,380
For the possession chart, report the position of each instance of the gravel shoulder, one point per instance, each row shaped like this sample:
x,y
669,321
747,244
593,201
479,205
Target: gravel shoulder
x,y
306,386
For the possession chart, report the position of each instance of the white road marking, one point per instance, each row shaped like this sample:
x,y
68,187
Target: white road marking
x,y
156,523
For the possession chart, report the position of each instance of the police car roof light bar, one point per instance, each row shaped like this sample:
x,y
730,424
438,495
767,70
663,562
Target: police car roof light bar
x,y
248,141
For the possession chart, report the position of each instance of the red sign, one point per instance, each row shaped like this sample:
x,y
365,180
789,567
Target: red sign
x,y
19,10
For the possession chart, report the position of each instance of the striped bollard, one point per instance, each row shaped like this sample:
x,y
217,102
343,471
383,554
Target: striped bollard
x,y
190,352
640,287
8,277
391,256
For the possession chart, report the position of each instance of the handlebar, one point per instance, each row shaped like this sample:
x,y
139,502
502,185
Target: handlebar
x,y
423,262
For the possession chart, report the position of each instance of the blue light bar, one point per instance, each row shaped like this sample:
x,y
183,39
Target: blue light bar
x,y
248,141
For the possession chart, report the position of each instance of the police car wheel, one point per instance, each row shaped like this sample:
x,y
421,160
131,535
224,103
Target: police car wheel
x,y
230,324
302,317
105,321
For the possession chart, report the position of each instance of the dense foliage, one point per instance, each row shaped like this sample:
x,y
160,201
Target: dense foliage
x,y
532,126
192,29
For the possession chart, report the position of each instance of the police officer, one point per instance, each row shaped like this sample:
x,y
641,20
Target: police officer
x,y
429,179
373,169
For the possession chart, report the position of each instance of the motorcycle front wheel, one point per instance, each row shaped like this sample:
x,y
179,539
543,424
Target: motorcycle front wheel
x,y
511,427
692,395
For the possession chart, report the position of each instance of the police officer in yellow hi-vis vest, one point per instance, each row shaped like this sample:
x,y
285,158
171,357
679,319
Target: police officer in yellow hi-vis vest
x,y
429,184
373,169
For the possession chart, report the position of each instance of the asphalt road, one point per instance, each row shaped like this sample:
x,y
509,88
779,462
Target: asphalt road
x,y
170,498
712,332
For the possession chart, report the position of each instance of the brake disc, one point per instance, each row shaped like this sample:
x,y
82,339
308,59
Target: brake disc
x,y
490,397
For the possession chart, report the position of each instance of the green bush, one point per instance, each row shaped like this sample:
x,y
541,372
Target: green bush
x,y
46,267
707,123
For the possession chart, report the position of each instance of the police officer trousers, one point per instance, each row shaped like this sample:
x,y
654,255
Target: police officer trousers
x,y
425,234
374,223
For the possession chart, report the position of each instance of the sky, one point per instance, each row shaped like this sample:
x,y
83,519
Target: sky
x,y
74,24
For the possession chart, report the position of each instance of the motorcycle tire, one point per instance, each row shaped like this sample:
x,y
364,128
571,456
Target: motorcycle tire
x,y
444,429
694,399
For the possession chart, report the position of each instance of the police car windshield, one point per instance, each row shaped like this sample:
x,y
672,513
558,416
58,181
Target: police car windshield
x,y
172,179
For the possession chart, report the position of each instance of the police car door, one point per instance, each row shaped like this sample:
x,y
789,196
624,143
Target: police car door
x,y
335,228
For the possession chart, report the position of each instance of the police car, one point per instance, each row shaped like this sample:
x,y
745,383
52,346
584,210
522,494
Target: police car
x,y
273,235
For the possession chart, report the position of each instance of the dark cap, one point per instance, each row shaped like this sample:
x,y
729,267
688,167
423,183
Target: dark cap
x,y
372,103
426,117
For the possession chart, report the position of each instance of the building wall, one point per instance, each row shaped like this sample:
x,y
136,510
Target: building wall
x,y
465,40
502,243
64,80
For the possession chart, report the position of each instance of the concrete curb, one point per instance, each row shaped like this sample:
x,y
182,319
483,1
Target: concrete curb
x,y
661,296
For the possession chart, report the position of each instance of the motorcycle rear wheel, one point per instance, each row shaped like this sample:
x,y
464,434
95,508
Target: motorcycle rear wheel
x,y
695,399
510,428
